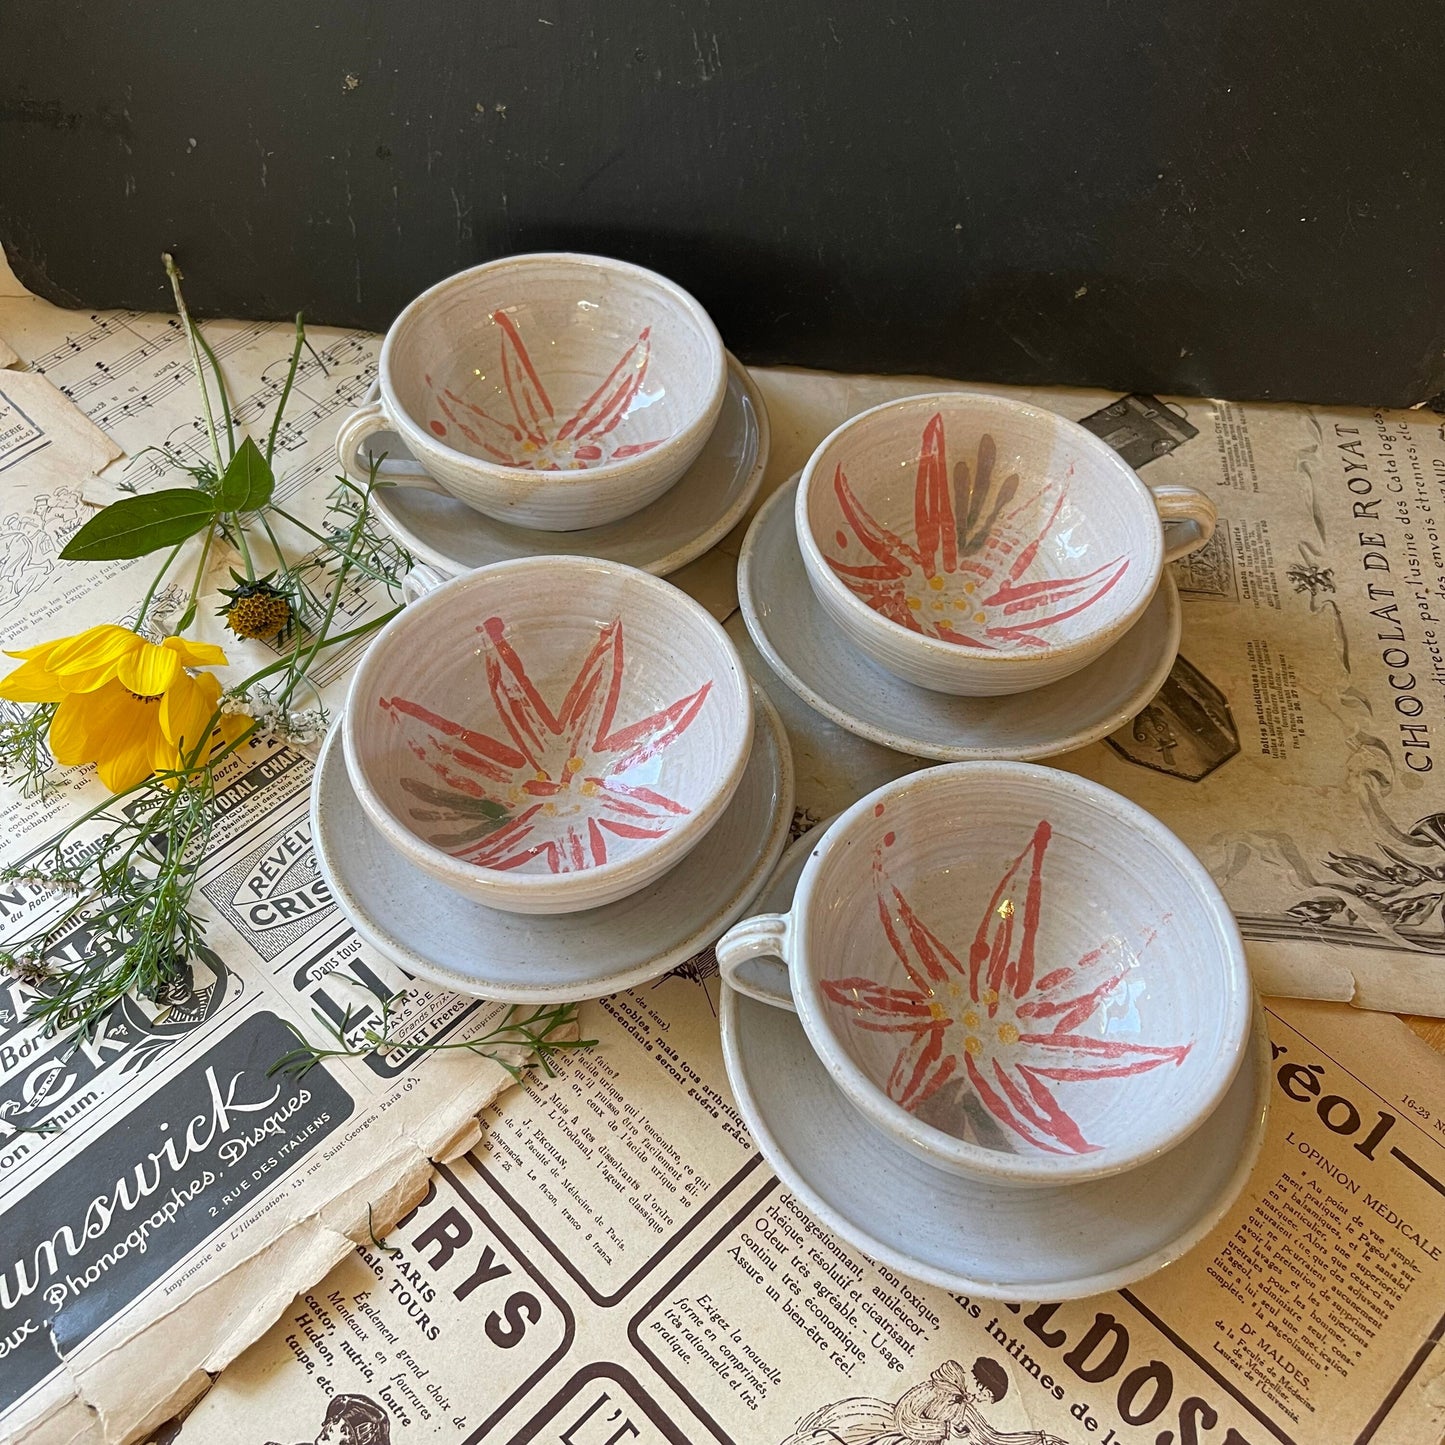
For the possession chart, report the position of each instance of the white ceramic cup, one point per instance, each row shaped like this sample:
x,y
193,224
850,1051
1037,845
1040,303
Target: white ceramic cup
x,y
547,734
554,391
1013,972
976,545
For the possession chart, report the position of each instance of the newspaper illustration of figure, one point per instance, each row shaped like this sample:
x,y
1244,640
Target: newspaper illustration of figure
x,y
950,1405
30,542
352,1420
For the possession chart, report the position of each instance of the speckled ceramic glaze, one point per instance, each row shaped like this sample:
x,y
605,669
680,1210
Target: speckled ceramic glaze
x,y
817,661
1014,972
549,734
551,391
455,943
705,504
966,1234
978,546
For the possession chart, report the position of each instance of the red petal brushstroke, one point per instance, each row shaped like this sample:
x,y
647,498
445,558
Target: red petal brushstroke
x,y
950,1009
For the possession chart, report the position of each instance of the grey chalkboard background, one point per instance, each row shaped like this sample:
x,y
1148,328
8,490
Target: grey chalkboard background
x,y
1227,198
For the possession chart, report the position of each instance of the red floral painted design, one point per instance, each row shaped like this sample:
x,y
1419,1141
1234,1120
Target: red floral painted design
x,y
531,437
556,789
967,579
997,1021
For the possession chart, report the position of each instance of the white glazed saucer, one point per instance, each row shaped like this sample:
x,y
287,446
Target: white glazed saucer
x,y
698,510
810,653
455,943
971,1236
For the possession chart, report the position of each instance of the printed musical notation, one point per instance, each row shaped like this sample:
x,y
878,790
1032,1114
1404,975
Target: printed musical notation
x,y
131,373
130,370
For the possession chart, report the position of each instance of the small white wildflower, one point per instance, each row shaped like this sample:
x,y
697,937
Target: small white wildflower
x,y
304,727
48,882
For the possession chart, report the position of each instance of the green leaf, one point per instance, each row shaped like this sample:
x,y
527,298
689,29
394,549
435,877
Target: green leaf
x,y
135,526
247,482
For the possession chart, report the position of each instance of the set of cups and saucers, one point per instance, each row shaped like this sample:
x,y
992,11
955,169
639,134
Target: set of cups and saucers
x,y
993,1023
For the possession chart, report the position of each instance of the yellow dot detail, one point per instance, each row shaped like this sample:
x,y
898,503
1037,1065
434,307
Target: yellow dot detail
x,y
968,587
971,1020
1008,1033
539,776
936,583
574,765
990,995
915,603
936,1010
973,1045
589,789
979,617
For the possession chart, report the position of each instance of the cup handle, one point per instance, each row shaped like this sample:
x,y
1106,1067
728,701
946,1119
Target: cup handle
x,y
1188,516
365,421
750,958
422,579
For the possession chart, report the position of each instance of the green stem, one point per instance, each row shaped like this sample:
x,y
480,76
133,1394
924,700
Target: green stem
x,y
201,567
271,538
297,522
173,271
155,584
192,761
286,390
221,388
337,588
360,630
241,543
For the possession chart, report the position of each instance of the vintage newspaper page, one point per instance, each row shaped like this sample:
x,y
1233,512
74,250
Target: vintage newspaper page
x,y
1297,744
616,1263
187,1193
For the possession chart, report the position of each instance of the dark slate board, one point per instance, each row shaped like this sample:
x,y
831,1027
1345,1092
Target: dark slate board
x,y
1233,199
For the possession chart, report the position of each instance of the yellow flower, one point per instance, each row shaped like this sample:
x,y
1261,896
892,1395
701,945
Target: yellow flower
x,y
126,704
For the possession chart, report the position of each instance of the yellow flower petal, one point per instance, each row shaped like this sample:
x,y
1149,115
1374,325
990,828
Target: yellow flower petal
x,y
70,731
95,648
149,670
127,768
184,712
232,725
31,683
195,654
86,681
89,659
37,653
119,733
127,748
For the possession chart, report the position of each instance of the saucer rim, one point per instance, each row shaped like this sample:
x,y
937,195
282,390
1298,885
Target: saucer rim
x,y
794,863
770,851
663,566
1078,1287
777,503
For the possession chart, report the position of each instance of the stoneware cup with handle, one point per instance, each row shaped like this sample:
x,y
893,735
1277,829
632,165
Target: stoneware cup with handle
x,y
554,391
547,734
1012,971
977,545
